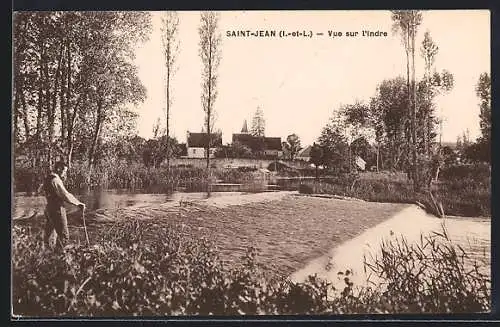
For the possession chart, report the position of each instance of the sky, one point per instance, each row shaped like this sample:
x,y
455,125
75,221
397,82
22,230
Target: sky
x,y
300,81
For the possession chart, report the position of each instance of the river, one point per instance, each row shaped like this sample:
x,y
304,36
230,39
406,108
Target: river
x,y
25,206
337,231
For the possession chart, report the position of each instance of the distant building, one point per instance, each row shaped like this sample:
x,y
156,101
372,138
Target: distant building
x,y
270,146
244,129
304,154
196,144
273,147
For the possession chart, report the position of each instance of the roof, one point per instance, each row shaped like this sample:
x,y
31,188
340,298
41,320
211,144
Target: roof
x,y
273,143
246,139
199,140
305,153
270,143
244,129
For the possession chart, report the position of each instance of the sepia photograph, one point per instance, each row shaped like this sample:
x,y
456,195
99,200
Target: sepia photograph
x,y
250,163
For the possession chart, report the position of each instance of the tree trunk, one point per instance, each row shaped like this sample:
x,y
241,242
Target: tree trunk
x,y
414,106
62,103
16,118
71,127
349,157
25,117
209,112
38,133
168,115
71,115
97,132
52,111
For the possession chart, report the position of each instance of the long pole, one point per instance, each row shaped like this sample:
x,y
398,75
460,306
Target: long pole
x,y
85,227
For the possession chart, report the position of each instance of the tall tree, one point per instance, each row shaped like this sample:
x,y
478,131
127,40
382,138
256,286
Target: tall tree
x,y
170,43
68,65
388,110
356,124
407,23
210,54
316,156
483,91
258,123
292,145
428,51
115,79
334,142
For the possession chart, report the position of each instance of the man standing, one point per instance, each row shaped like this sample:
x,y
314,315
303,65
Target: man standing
x,y
56,194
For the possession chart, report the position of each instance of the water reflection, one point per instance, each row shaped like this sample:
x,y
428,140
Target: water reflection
x,y
25,205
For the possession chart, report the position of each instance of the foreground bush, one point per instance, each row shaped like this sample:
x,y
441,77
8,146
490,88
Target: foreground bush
x,y
431,275
140,268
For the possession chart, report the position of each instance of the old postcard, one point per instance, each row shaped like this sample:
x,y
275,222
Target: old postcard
x,y
251,163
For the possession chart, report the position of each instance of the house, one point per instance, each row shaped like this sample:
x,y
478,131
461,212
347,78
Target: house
x,y
273,147
269,146
304,154
197,142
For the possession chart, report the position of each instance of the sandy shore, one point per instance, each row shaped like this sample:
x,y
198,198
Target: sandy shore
x,y
411,223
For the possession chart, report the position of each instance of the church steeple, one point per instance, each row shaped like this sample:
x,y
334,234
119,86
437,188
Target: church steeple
x,y
244,129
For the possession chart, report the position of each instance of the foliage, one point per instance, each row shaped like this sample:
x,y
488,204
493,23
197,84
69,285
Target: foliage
x,y
234,150
74,79
210,55
481,172
391,121
170,45
450,157
362,148
258,123
483,91
148,269
292,146
334,143
430,276
316,154
463,190
114,174
155,151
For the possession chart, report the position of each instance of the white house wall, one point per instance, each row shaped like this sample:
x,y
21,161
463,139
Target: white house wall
x,y
199,152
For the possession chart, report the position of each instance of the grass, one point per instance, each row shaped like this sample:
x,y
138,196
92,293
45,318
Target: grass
x,y
135,176
463,191
140,268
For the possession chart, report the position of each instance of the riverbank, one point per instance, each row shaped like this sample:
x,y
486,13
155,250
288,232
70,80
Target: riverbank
x,y
413,224
459,196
